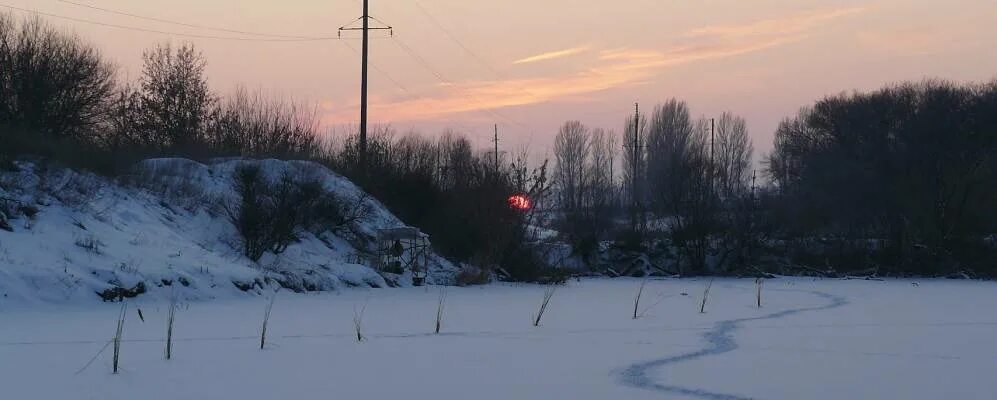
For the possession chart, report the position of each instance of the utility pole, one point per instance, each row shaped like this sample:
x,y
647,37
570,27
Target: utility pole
x,y
363,77
635,169
496,151
713,166
753,187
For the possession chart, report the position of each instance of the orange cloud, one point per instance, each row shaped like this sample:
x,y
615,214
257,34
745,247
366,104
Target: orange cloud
x,y
552,55
612,68
777,26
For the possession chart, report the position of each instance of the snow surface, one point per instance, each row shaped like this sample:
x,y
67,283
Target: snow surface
x,y
165,226
812,339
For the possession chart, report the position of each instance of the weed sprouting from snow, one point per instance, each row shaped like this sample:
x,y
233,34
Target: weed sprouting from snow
x,y
117,337
706,295
266,320
130,266
548,293
439,308
91,244
758,287
358,321
657,300
170,314
640,291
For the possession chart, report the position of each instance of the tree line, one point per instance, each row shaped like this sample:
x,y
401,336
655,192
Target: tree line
x,y
61,100
901,180
896,181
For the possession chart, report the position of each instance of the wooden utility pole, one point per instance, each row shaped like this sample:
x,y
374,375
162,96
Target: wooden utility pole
x,y
635,169
712,162
496,151
753,187
363,85
365,29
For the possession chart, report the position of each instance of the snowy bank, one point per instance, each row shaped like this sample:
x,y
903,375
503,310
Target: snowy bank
x,y
163,230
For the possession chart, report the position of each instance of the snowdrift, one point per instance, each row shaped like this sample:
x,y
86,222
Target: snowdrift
x,y
162,230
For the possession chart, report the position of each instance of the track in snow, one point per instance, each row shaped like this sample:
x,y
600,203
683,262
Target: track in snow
x,y
719,340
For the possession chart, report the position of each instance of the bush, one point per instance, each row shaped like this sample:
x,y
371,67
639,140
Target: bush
x,y
472,275
51,84
441,186
524,263
271,216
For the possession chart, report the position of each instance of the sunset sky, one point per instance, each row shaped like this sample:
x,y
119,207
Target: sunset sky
x,y
531,65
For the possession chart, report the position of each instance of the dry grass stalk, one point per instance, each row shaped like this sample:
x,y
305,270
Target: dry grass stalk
x,y
358,322
266,320
439,309
117,338
758,286
548,293
170,314
640,291
706,294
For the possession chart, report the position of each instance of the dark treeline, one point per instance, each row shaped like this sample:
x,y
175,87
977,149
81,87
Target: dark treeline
x,y
903,178
687,186
453,193
60,100
899,181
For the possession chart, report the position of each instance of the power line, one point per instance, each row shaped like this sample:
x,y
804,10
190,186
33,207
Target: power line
x,y
402,87
466,48
454,38
138,29
408,50
189,25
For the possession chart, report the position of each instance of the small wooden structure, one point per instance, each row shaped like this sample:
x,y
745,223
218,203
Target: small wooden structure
x,y
403,248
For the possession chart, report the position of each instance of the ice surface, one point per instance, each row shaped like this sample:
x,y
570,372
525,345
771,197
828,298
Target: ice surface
x,y
823,339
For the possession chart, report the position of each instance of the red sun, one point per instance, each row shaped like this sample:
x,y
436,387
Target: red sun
x,y
520,202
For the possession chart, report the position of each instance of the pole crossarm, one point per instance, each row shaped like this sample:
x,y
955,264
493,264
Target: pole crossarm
x,y
365,29
386,27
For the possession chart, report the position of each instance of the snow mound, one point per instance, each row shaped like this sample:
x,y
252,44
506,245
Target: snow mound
x,y
162,230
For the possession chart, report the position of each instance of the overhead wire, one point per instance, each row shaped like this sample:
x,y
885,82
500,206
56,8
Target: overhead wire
x,y
189,25
425,64
162,32
271,37
456,40
402,87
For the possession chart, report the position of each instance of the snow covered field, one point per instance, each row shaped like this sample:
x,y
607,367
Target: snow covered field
x,y
824,339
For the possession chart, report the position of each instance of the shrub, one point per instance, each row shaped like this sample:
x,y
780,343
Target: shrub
x,y
271,216
472,275
52,84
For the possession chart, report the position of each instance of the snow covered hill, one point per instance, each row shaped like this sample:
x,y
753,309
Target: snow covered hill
x,y
163,230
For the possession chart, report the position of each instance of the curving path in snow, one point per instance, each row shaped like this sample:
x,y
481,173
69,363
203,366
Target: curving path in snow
x,y
719,340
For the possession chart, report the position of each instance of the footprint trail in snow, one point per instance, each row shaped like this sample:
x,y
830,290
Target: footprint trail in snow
x,y
719,340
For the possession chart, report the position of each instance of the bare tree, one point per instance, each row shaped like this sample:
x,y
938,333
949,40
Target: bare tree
x,y
678,178
599,179
634,168
571,151
175,99
675,149
51,83
264,125
732,155
792,140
